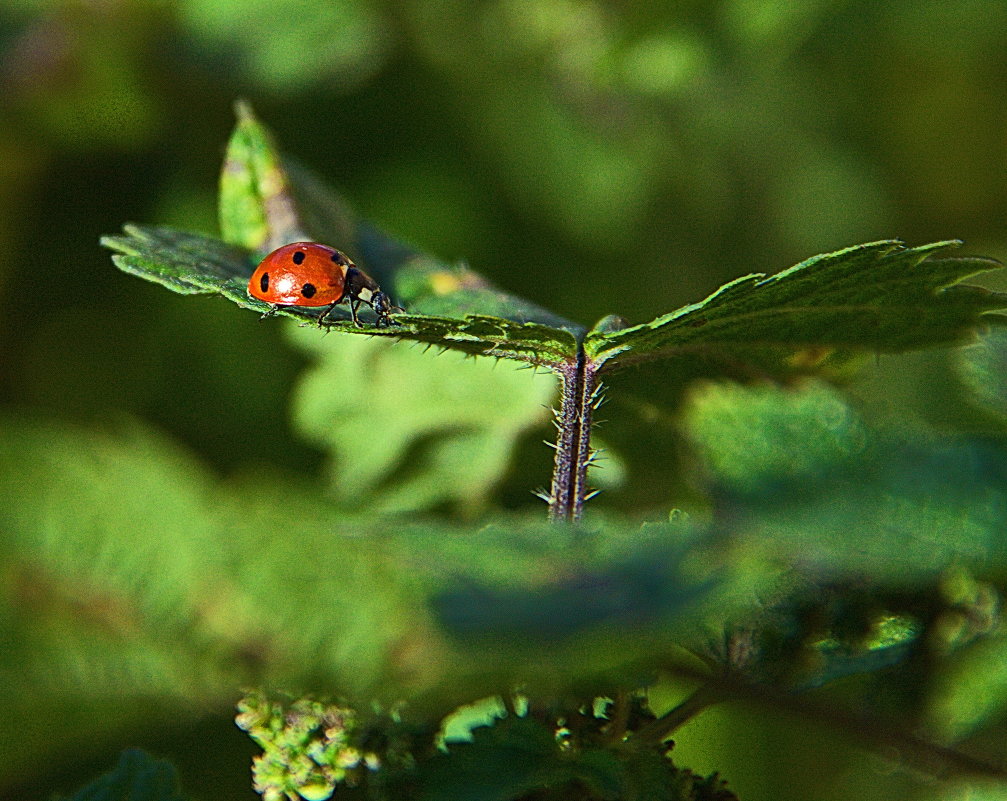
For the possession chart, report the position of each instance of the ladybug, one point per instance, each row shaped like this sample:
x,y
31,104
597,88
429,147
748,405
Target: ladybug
x,y
310,274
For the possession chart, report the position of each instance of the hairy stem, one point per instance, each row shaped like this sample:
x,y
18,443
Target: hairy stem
x,y
573,443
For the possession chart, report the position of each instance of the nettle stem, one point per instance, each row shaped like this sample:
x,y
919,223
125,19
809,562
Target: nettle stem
x,y
573,443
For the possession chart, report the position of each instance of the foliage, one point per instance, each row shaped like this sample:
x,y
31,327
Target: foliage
x,y
878,296
438,441
432,618
585,156
909,301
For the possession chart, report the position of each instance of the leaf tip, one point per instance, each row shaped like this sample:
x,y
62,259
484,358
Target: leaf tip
x,y
243,110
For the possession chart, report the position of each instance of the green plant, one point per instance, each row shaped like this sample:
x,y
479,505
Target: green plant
x,y
833,560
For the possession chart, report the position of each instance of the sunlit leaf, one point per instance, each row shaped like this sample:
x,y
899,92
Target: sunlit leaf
x,y
194,264
973,691
876,297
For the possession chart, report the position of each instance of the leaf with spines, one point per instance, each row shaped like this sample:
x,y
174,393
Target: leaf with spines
x,y
266,201
517,756
881,296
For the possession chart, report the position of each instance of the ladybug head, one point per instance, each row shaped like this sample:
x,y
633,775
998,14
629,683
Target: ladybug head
x,y
383,307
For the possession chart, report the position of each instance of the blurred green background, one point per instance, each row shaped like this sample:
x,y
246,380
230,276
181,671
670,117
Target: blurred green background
x,y
595,157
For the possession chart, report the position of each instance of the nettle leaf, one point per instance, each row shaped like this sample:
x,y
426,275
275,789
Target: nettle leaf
x,y
135,610
502,762
113,565
514,757
440,616
137,777
425,451
190,264
972,692
800,473
880,296
266,201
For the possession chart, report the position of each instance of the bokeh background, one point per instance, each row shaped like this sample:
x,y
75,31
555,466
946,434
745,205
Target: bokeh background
x,y
595,157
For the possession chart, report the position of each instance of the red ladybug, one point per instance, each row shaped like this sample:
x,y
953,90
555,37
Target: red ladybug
x,y
310,274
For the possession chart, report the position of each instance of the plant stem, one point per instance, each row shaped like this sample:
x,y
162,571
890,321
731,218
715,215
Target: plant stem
x,y
573,443
619,715
898,744
661,729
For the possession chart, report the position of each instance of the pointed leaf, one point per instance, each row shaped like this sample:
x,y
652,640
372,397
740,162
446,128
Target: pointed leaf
x,y
194,264
973,691
261,207
513,757
267,200
190,264
880,296
171,586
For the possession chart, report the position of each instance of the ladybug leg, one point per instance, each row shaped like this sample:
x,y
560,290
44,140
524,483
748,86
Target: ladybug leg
x,y
354,304
325,313
270,312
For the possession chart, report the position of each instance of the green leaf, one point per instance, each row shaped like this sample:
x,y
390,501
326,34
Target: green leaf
x,y
441,616
502,762
973,690
516,756
878,297
406,432
801,473
984,368
189,264
137,777
193,264
262,206
112,587
160,585
267,200
250,180
881,296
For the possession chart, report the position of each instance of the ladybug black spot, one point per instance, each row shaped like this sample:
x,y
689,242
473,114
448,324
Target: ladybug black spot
x,y
308,290
340,259
298,256
264,283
